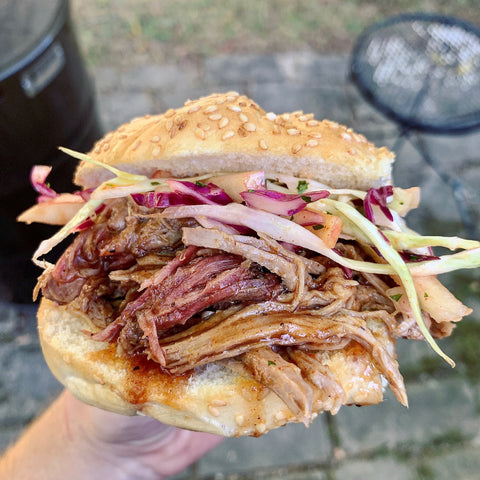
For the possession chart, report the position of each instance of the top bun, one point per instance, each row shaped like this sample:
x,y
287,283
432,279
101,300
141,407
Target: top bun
x,y
231,133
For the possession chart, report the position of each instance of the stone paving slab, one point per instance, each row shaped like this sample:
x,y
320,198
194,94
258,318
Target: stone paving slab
x,y
291,445
461,464
437,408
378,469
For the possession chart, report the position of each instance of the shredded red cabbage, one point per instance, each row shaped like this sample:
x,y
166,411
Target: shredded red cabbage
x,y
85,194
279,203
411,257
205,194
378,196
38,179
163,199
346,271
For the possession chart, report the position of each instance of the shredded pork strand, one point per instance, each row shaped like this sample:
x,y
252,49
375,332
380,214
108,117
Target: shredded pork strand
x,y
282,377
186,296
330,395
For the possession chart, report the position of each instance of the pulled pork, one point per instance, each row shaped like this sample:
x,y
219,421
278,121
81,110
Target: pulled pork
x,y
186,296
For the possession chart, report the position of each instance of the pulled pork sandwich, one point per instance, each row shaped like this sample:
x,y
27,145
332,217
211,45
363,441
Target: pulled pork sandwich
x,y
235,270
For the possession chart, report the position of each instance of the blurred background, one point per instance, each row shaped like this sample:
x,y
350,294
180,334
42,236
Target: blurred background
x,y
144,57
126,33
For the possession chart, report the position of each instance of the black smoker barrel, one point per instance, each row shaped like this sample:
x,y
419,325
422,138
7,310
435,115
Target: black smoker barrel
x,y
46,100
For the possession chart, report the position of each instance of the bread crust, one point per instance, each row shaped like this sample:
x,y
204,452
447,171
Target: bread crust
x,y
211,399
231,133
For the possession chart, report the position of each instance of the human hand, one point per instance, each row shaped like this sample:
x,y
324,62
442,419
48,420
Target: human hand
x,y
137,447
76,441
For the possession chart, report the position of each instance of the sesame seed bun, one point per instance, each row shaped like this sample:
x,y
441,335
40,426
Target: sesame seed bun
x,y
213,399
231,133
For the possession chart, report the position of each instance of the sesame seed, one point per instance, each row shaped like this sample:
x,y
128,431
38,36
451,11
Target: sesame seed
x,y
286,116
303,118
315,135
231,98
217,402
228,134
261,428
155,139
215,116
199,133
169,125
223,122
215,412
204,126
182,125
312,123
194,109
98,149
210,109
250,127
242,104
263,144
106,146
312,143
276,129
240,420
280,416
347,136
220,101
136,145
352,151
169,113
293,131
271,116
156,151
296,148
123,136
234,108
243,118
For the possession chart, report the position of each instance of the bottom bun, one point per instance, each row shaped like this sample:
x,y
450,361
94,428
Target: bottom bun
x,y
211,399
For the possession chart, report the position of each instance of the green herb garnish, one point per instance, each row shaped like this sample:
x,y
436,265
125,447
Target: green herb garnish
x,y
302,186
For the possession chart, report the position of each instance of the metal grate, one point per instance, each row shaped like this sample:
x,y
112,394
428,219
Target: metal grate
x,y
422,71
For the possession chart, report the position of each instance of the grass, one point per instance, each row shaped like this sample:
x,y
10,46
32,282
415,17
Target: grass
x,y
130,32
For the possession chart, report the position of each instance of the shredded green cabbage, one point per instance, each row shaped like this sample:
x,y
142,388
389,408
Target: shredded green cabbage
x,y
396,262
407,241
